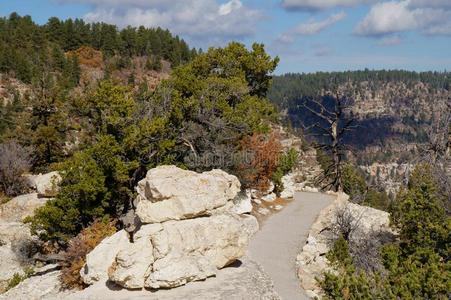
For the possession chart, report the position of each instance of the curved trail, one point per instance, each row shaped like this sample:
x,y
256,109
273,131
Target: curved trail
x,y
281,238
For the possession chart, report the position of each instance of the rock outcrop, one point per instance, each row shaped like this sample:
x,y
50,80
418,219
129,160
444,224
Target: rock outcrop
x,y
191,228
46,185
16,209
312,261
246,280
170,193
16,242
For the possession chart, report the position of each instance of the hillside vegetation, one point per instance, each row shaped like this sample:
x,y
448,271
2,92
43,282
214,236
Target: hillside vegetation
x,y
393,109
27,50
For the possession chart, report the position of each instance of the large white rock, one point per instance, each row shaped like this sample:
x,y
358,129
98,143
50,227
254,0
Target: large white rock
x,y
195,249
46,185
16,209
170,193
172,253
134,263
16,242
99,260
191,228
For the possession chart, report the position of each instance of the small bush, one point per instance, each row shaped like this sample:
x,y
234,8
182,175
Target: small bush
x,y
79,247
286,163
15,160
17,278
263,153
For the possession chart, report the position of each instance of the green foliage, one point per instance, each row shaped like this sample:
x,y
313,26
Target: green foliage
x,y
377,199
353,181
210,104
154,63
18,278
207,107
285,164
419,214
417,266
26,46
94,185
350,283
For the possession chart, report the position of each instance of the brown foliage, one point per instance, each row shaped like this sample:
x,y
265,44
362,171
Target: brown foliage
x,y
15,160
79,247
262,153
88,56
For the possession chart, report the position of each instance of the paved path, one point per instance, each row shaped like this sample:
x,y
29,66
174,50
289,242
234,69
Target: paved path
x,y
281,238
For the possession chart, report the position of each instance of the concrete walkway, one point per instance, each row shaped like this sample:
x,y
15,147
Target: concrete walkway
x,y
281,238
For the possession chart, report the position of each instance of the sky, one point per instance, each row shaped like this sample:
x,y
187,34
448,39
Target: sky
x,y
307,35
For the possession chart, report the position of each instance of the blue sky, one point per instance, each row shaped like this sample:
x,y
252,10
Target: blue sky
x,y
307,35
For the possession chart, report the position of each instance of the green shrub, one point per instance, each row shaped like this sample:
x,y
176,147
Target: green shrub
x,y
354,183
94,185
285,164
415,267
17,278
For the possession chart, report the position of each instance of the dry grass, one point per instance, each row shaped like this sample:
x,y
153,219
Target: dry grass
x,y
79,247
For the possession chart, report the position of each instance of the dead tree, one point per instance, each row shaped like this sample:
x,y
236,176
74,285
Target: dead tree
x,y
331,128
437,153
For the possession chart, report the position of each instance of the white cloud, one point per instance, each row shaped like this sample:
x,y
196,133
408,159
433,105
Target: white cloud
x,y
312,5
229,7
390,41
430,3
398,16
200,20
313,27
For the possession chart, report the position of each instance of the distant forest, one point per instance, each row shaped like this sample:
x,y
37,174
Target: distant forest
x,y
393,107
26,47
292,86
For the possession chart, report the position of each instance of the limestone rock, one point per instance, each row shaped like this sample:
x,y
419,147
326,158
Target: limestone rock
x,y
312,262
16,243
194,249
46,185
99,260
242,203
133,263
170,193
47,286
16,209
269,197
172,253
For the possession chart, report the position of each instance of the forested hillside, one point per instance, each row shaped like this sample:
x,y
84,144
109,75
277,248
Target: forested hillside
x,y
393,110
28,49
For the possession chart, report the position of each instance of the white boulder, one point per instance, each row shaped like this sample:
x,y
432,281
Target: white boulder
x,y
170,193
312,262
99,260
191,229
242,204
195,249
46,185
16,209
134,262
